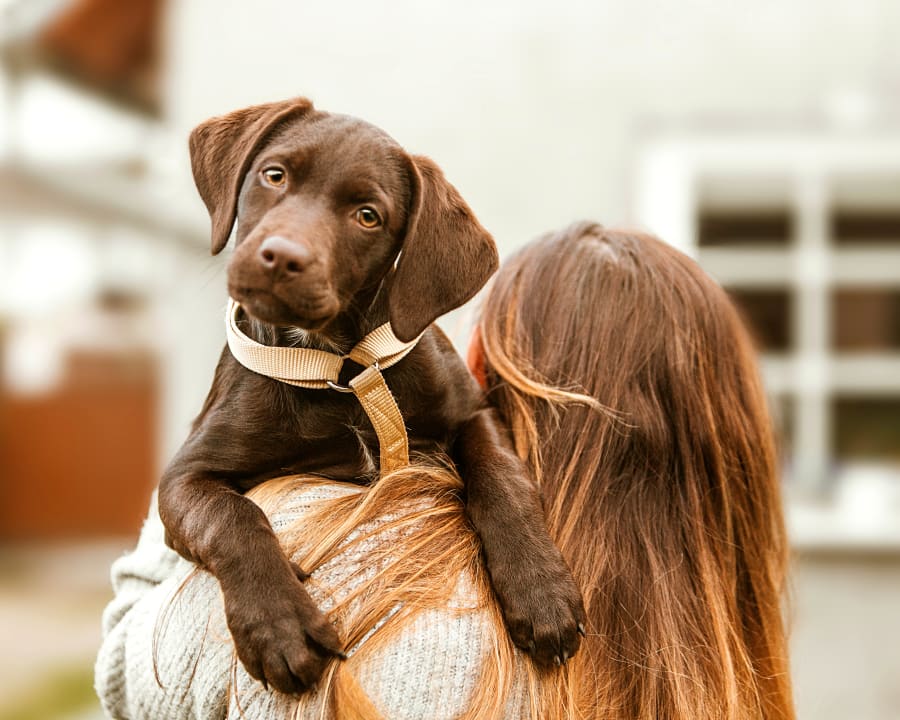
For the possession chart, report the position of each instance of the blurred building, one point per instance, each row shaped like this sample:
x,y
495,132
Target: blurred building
x,y
88,246
803,229
779,168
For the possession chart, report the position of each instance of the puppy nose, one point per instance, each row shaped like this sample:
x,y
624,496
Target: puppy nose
x,y
280,255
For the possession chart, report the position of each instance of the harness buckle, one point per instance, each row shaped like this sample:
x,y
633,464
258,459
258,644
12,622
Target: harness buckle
x,y
346,388
339,388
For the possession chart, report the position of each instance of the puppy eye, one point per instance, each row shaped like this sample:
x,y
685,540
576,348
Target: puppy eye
x,y
275,176
367,217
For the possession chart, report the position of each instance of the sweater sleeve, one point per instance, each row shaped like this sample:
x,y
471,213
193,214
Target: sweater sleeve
x,y
167,653
157,635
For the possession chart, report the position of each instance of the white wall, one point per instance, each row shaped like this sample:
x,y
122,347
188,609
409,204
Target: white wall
x,y
534,109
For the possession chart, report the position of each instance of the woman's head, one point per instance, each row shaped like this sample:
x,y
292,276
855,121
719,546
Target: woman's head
x,y
631,387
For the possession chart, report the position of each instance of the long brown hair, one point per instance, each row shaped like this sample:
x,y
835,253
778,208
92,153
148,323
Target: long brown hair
x,y
632,390
660,481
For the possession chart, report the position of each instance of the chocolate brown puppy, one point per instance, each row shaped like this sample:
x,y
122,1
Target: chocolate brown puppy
x,y
339,230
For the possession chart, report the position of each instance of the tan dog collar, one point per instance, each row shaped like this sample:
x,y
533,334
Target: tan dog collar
x,y
320,370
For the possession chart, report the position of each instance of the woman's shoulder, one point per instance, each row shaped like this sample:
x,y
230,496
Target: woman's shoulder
x,y
427,652
402,585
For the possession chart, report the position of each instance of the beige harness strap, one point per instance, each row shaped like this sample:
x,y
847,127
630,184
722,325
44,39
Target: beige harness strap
x,y
320,370
302,367
381,346
376,399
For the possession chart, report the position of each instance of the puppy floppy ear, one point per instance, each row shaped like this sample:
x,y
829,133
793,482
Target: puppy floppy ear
x,y
222,149
447,255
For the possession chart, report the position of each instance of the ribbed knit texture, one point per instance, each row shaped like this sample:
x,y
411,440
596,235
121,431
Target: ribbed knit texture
x,y
427,672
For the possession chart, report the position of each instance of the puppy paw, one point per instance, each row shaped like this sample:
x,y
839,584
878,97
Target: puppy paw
x,y
543,610
281,637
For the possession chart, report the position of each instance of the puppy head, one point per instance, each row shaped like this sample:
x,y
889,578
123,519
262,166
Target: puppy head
x,y
324,204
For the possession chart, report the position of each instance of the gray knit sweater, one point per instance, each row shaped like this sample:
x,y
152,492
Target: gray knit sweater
x,y
428,671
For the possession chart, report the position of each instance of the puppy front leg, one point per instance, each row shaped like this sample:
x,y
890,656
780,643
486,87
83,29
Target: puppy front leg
x,y
280,636
541,603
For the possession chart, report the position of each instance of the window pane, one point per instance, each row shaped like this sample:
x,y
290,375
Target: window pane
x,y
867,428
767,313
866,319
724,228
865,227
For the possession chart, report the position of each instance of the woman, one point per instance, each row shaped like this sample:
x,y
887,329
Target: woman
x,y
630,387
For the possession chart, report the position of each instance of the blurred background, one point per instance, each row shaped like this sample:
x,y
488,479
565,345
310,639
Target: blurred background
x,y
762,138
